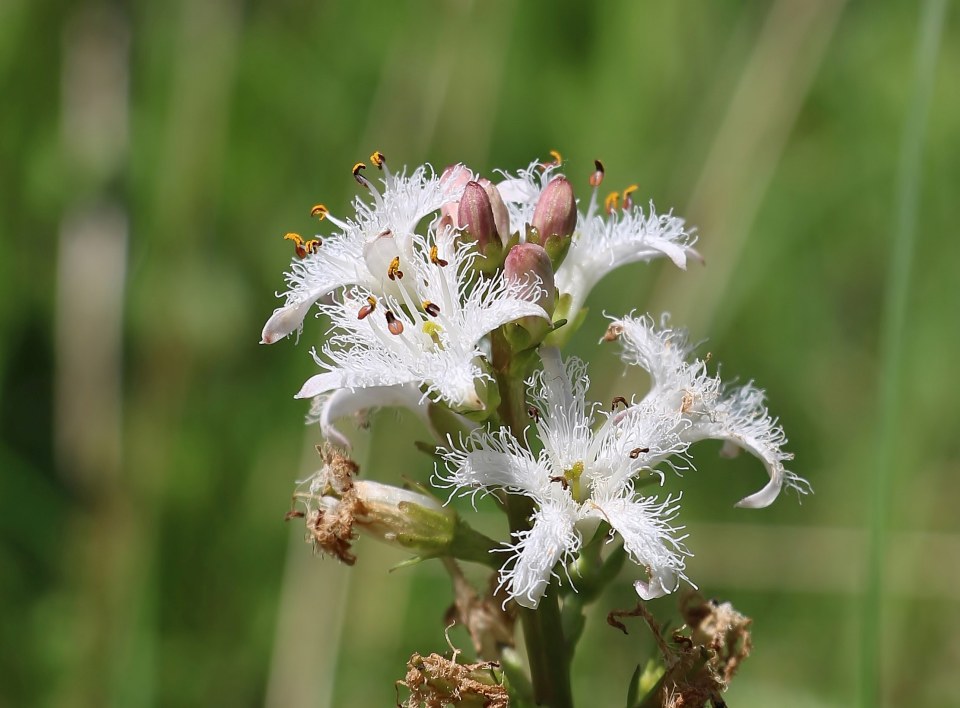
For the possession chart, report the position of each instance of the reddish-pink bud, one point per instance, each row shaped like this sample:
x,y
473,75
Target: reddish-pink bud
x,y
556,210
529,263
475,215
501,215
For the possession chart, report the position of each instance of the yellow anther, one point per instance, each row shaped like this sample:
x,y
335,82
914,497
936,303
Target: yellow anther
x,y
597,177
357,168
435,257
557,158
313,245
378,159
393,270
319,211
611,202
297,244
433,330
628,197
431,308
368,308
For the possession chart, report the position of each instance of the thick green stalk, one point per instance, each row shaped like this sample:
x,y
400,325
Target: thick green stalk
x,y
542,629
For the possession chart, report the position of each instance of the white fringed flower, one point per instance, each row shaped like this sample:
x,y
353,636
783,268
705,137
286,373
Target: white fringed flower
x,y
706,408
360,251
580,478
428,333
601,242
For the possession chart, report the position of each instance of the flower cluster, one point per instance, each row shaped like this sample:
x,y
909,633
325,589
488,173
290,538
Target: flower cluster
x,y
452,295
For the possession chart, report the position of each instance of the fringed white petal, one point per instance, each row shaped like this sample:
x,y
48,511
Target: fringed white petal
x,y
558,393
706,409
486,461
649,539
553,537
602,245
741,417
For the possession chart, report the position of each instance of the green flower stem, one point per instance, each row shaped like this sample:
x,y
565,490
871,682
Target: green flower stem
x,y
547,651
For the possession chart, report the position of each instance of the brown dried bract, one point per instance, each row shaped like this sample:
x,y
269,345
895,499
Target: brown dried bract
x,y
488,618
703,656
434,682
330,527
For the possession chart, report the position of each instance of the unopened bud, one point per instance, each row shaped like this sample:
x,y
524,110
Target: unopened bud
x,y
452,180
475,215
501,215
529,264
556,210
554,219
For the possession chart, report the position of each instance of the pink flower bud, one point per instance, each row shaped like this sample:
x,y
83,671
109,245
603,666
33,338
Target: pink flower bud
x,y
452,180
529,264
475,215
501,216
556,211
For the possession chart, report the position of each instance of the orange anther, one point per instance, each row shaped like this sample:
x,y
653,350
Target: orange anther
x,y
298,246
357,168
435,257
393,270
611,202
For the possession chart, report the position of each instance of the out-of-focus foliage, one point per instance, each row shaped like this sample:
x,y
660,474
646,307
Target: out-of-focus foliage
x,y
152,154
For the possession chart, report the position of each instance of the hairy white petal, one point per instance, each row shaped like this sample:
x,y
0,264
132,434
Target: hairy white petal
x,y
649,539
558,393
489,460
601,245
553,537
706,409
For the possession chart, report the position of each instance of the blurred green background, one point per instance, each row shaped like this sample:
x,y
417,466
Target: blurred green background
x,y
152,154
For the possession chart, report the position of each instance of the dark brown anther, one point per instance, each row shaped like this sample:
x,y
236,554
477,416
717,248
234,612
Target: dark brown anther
x,y
431,308
368,308
393,324
393,270
562,480
293,514
618,400
435,257
533,413
357,169
637,451
596,179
